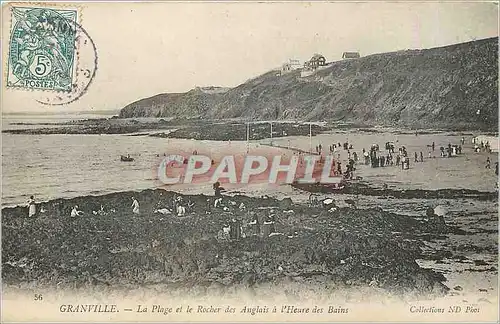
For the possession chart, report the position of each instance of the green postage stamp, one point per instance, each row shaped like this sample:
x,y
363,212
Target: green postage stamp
x,y
42,48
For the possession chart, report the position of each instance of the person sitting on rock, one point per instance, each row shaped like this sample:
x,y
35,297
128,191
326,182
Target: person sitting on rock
x,y
312,200
190,206
181,210
100,212
75,212
235,229
217,202
435,222
269,225
346,173
255,225
223,234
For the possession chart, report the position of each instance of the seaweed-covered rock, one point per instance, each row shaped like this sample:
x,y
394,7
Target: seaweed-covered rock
x,y
117,247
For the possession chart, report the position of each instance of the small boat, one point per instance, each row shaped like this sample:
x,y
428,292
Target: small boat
x,y
124,158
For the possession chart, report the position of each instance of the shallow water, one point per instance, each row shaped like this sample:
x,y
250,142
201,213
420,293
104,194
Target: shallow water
x,y
64,166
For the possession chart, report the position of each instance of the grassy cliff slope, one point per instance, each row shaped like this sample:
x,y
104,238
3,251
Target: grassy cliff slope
x,y
438,87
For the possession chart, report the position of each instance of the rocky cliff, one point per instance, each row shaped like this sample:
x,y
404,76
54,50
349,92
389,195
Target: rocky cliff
x,y
452,87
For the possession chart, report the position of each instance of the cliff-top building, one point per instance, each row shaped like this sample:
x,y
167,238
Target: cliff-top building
x,y
315,61
290,66
350,55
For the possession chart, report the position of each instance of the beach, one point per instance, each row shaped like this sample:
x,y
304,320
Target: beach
x,y
85,170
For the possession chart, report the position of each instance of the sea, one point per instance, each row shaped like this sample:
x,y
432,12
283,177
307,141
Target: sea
x,y
66,166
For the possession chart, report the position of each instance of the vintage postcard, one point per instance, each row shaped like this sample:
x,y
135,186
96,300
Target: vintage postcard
x,y
249,161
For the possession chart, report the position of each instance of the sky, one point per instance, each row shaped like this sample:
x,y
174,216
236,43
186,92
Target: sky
x,y
149,48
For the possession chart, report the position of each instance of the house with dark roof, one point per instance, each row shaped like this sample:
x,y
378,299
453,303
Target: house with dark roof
x,y
350,55
315,61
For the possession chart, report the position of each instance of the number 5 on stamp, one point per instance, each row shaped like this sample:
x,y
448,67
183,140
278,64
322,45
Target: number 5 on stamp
x,y
42,48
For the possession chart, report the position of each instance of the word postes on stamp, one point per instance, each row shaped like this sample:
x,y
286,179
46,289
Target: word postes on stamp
x,y
42,48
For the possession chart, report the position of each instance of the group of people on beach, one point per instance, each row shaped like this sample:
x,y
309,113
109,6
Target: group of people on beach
x,y
376,158
481,146
75,211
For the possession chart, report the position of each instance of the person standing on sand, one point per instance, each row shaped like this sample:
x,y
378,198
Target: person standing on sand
x,y
421,157
217,189
416,157
433,146
31,207
488,163
496,168
135,206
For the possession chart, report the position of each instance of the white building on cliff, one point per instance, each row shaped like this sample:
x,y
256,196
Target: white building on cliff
x,y
290,66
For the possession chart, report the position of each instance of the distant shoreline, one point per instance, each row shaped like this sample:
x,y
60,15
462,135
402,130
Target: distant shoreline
x,y
112,112
225,129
